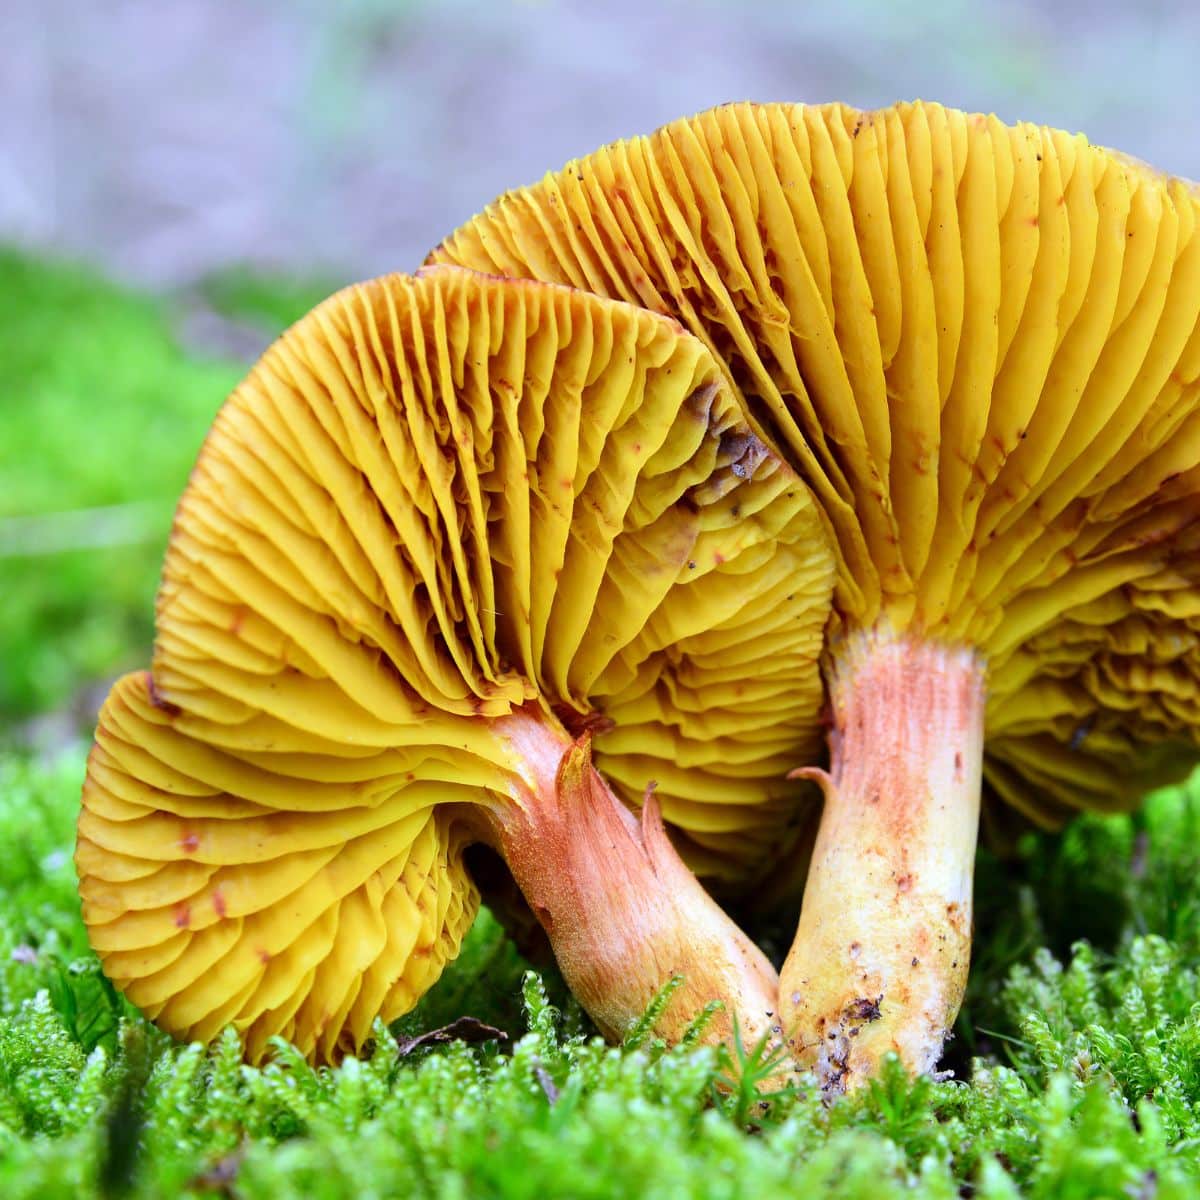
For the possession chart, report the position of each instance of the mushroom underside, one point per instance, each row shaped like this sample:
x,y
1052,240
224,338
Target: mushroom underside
x,y
979,346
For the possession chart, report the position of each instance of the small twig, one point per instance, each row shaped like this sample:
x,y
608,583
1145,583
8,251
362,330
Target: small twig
x,y
548,1084
1004,1037
464,1029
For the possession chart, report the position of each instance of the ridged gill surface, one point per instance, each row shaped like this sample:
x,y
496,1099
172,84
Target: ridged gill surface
x,y
978,344
432,501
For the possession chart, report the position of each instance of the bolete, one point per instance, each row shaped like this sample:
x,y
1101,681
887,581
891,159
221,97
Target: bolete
x,y
453,545
978,346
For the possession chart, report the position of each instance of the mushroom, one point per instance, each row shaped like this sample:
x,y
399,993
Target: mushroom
x,y
978,346
462,560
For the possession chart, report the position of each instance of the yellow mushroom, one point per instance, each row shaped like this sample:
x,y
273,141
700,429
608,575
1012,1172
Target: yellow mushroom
x,y
451,537
978,346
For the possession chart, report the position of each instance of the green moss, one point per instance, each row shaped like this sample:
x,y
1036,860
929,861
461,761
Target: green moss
x,y
101,416
1095,1092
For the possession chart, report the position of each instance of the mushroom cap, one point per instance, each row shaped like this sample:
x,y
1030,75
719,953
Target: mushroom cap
x,y
433,502
978,345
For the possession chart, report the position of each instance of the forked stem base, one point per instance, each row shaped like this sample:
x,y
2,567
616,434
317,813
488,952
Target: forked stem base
x,y
624,915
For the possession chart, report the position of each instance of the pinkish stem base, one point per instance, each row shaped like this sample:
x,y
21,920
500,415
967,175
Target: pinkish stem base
x,y
623,913
881,953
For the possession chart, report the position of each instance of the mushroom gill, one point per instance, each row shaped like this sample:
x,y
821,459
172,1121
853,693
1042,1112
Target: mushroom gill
x,y
978,345
451,537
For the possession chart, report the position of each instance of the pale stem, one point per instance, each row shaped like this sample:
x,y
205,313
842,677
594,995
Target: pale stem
x,y
881,953
624,915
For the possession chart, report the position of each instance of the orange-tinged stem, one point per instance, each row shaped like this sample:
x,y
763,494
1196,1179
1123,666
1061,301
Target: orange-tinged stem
x,y
624,915
881,953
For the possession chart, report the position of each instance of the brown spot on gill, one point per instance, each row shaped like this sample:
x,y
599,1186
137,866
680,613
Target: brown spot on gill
x,y
578,723
743,451
190,842
699,403
159,700
183,916
218,903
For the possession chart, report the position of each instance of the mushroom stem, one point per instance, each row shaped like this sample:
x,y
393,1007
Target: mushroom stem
x,y
881,953
624,915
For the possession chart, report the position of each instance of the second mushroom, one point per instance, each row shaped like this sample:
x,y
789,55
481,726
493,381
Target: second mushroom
x,y
978,345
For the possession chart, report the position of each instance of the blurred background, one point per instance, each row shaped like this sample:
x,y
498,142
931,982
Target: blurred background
x,y
180,179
